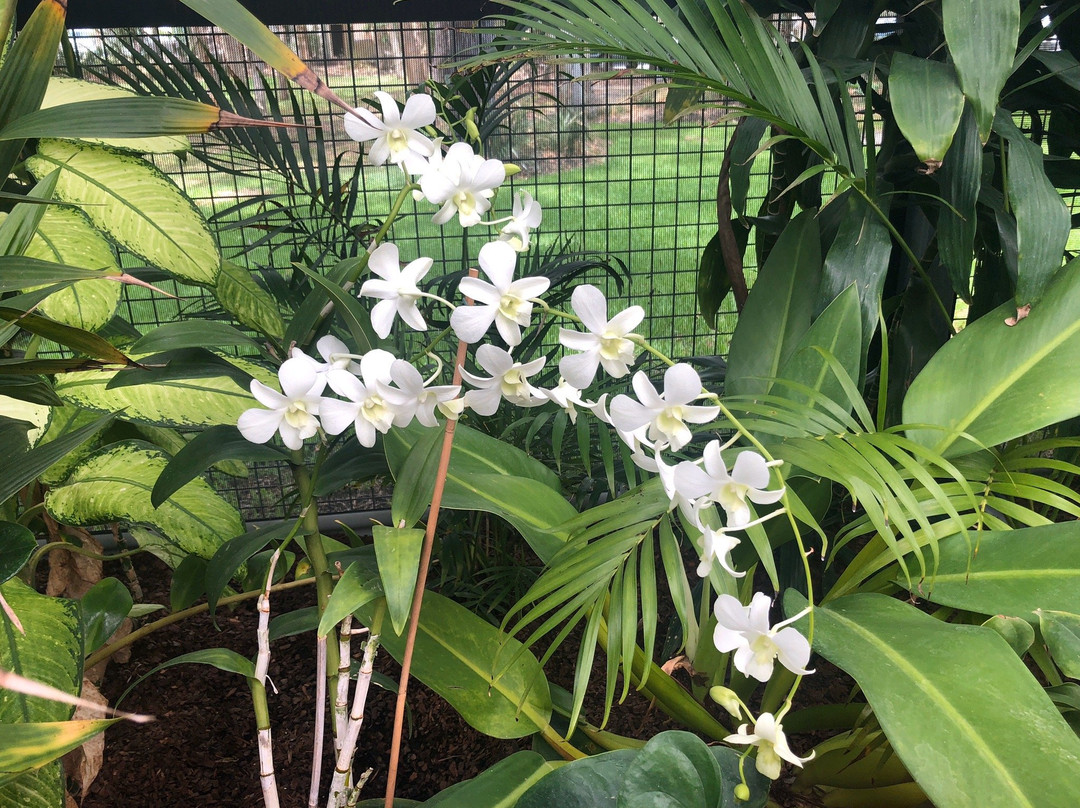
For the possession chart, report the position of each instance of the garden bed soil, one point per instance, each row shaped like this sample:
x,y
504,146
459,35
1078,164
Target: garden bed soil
x,y
201,750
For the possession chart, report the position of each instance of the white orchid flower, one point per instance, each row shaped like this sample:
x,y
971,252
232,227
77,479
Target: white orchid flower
x,y
365,410
395,137
509,380
292,412
567,397
746,631
504,301
410,398
748,479
463,183
768,736
526,215
397,289
665,413
716,547
607,342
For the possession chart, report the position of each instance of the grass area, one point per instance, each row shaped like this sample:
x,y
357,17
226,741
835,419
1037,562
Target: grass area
x,y
644,194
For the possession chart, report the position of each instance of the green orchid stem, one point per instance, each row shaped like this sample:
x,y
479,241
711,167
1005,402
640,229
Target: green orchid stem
x,y
316,553
40,552
107,651
395,209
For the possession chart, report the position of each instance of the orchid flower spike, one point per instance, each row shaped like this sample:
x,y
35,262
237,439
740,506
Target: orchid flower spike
x,y
293,411
665,413
768,736
397,289
365,409
504,301
606,343
746,631
395,137
509,380
411,398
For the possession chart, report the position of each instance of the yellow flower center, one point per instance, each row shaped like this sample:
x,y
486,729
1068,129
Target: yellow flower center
x,y
297,415
465,202
511,306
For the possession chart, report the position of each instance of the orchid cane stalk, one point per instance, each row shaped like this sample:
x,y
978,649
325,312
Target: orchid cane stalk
x,y
267,777
320,721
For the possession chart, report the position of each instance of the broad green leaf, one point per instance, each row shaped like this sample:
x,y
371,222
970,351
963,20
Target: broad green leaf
x,y
838,331
587,783
135,204
997,383
27,746
357,586
103,608
497,787
64,90
38,788
36,415
298,621
414,480
190,334
1061,632
744,145
26,70
927,102
24,468
673,769
961,710
348,308
65,236
252,305
114,485
188,583
207,399
713,283
350,463
960,178
204,450
32,389
778,310
231,556
1042,217
464,659
1013,573
398,552
17,272
16,545
1017,632
982,37
51,652
859,254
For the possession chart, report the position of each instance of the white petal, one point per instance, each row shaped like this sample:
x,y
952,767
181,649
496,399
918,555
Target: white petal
x,y
498,259
579,369
681,384
529,287
390,113
412,316
382,316
337,416
480,291
508,330
258,426
419,111
298,377
495,360
268,396
470,323
589,304
750,469
385,261
483,402
626,320
792,649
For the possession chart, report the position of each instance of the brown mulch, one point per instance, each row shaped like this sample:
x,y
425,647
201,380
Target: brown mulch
x,y
201,749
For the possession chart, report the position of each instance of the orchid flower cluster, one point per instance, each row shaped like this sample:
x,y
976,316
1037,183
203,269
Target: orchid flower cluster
x,y
377,391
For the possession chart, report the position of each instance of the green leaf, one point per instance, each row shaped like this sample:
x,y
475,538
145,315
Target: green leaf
x,y
204,450
497,787
713,282
64,90
996,383
837,332
16,545
28,746
1017,632
673,769
348,307
298,621
31,389
358,586
414,482
17,227
135,204
778,309
587,783
1013,573
927,102
66,236
114,484
234,553
959,707
207,397
103,608
241,296
34,415
37,788
982,37
350,463
398,553
24,468
221,658
1061,632
960,179
464,659
50,652
190,334
74,338
1042,217
188,583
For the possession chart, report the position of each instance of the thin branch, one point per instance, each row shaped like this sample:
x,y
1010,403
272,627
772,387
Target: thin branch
x,y
320,720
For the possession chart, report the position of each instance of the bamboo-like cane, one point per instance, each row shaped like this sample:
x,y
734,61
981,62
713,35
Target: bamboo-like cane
x,y
267,777
341,702
339,787
320,721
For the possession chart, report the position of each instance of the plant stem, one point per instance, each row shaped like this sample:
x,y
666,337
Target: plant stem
x,y
267,778
107,651
320,721
421,580
341,700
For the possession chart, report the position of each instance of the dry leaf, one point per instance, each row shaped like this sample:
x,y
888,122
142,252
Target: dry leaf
x,y
83,764
70,574
1021,313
